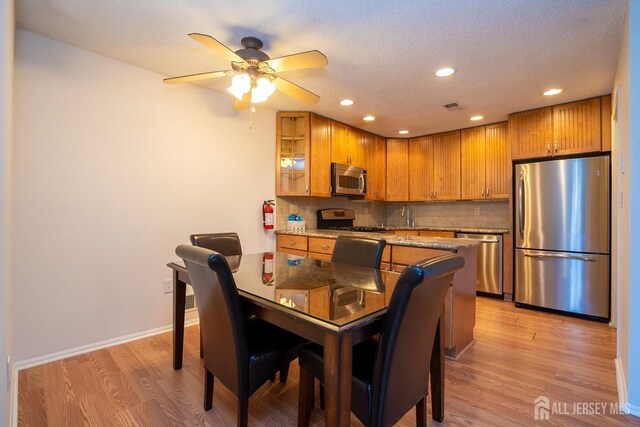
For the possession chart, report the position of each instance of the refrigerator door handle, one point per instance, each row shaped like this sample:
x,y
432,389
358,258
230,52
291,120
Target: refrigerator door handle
x,y
521,205
574,257
489,241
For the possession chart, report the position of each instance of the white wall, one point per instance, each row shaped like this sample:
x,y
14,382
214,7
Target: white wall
x,y
634,204
6,83
626,184
112,170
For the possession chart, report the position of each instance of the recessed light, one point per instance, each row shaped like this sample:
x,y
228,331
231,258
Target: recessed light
x,y
476,118
445,72
368,118
551,92
346,102
403,132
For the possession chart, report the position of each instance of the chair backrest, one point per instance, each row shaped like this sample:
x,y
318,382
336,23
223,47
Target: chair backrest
x,y
222,322
225,243
360,251
401,371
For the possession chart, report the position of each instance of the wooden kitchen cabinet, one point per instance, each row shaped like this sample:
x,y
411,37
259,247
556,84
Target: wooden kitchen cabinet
x,y
320,156
347,145
397,170
376,167
571,128
498,161
292,151
339,142
605,113
321,248
296,245
576,127
485,162
446,166
420,165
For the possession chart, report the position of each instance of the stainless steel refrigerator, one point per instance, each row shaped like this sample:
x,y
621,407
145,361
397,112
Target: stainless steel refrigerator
x,y
562,229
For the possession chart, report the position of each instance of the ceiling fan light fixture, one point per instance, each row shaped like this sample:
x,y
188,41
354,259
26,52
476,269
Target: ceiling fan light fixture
x,y
240,84
262,90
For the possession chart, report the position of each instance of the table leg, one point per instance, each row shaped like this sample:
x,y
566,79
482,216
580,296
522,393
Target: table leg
x,y
437,373
338,350
179,295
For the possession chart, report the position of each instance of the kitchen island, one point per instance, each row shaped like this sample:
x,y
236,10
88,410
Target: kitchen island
x,y
401,251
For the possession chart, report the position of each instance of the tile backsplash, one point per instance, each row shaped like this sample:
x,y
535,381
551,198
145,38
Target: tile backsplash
x,y
482,214
489,214
367,213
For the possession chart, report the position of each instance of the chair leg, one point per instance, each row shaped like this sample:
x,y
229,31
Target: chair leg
x,y
421,413
322,396
305,397
284,372
243,411
273,377
201,350
208,389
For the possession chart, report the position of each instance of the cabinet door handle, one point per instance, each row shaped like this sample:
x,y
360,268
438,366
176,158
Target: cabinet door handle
x,y
435,194
548,147
292,243
555,147
325,247
487,191
483,192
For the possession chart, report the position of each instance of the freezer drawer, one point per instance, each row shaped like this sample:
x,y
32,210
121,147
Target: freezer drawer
x,y
567,281
489,261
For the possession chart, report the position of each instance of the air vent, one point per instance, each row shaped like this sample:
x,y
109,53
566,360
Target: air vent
x,y
451,105
190,300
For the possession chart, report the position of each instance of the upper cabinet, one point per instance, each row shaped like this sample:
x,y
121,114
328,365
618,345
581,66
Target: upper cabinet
x,y
446,166
348,145
320,159
485,162
571,128
397,170
303,149
421,167
292,151
376,167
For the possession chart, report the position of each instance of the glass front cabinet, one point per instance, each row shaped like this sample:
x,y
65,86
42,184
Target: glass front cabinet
x,y
292,162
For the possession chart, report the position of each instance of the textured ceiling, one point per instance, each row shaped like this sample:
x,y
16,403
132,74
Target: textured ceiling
x,y
382,54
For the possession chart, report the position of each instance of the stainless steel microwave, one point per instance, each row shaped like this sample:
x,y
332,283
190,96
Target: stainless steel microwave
x,y
347,180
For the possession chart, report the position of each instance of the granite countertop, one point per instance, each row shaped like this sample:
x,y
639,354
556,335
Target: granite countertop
x,y
479,230
392,239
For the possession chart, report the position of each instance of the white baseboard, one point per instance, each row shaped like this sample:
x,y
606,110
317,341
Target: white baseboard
x,y
41,360
623,402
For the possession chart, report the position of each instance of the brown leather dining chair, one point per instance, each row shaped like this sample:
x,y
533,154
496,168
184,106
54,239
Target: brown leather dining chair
x,y
243,353
225,243
391,371
361,251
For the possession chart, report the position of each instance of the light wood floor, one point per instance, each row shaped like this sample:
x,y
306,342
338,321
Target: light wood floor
x,y
519,355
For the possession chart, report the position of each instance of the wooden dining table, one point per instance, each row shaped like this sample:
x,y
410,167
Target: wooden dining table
x,y
334,305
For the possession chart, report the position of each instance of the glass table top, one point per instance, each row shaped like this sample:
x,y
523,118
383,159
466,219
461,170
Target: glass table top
x,y
331,292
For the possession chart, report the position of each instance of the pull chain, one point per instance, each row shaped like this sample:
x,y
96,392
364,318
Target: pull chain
x,y
252,109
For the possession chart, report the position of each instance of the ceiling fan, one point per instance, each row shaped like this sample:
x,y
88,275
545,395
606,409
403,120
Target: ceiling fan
x,y
255,75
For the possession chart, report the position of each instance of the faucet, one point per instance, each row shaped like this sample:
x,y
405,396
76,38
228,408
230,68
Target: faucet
x,y
406,209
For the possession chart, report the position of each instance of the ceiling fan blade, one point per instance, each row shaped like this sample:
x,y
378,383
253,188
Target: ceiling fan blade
x,y
296,91
297,61
195,77
216,46
245,103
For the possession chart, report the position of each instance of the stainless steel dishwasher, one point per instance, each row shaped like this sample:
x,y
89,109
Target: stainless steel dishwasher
x,y
489,262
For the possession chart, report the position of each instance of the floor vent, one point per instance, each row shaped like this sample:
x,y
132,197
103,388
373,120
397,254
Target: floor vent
x,y
190,301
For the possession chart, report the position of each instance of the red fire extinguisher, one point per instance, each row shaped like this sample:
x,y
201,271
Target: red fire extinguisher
x,y
267,268
267,214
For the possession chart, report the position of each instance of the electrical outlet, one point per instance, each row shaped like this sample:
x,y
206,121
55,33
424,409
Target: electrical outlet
x,y
168,286
476,211
9,369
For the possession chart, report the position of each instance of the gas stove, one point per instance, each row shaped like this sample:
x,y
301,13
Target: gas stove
x,y
342,219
